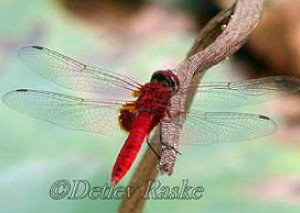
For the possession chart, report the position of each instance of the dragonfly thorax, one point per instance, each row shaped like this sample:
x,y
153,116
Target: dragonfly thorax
x,y
155,97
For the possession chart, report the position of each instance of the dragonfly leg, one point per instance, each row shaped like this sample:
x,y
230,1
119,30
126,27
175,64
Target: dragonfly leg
x,y
153,150
165,145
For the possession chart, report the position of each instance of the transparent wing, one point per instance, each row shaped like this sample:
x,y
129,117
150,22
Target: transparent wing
x,y
67,111
223,127
72,74
226,95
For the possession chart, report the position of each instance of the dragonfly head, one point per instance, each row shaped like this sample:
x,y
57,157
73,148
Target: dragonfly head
x,y
167,78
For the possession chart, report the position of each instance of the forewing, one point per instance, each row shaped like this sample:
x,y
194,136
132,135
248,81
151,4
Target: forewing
x,y
227,95
223,127
67,111
72,74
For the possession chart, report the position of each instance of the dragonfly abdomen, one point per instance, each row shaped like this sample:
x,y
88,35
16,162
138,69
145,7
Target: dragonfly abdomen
x,y
140,129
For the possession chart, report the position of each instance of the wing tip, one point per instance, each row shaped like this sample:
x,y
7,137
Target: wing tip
x,y
37,47
32,47
21,90
24,50
5,97
272,123
288,83
264,117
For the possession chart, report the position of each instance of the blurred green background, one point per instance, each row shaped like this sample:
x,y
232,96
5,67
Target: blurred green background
x,y
256,176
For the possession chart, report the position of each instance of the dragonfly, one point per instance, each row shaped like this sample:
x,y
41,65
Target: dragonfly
x,y
147,104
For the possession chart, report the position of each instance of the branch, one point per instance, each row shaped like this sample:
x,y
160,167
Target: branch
x,y
220,38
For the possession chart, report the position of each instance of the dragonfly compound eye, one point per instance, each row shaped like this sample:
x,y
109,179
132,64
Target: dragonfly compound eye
x,y
166,77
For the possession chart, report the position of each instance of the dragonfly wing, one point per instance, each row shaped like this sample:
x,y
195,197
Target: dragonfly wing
x,y
223,127
72,74
67,111
227,95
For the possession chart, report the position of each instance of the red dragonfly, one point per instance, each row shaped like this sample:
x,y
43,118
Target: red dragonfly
x,y
138,117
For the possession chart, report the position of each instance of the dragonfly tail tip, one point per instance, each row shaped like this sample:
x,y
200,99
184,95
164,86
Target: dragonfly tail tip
x,y
114,181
